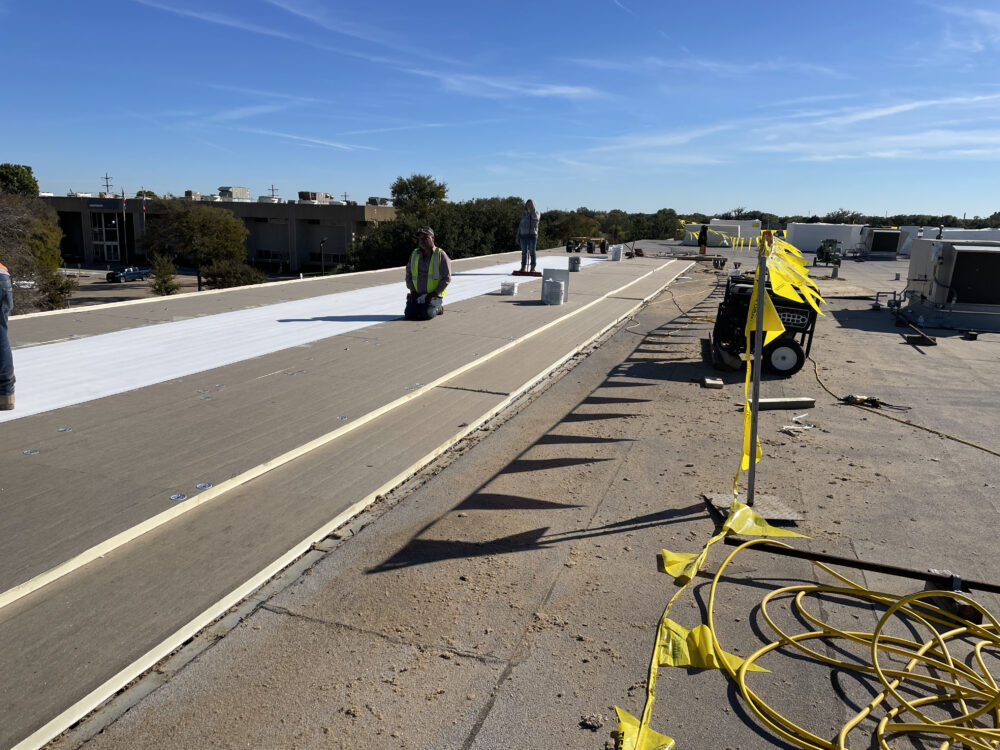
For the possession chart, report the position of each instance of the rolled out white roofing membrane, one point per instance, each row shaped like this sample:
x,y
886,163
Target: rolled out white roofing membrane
x,y
66,373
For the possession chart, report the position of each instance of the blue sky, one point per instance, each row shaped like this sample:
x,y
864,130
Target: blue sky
x,y
884,106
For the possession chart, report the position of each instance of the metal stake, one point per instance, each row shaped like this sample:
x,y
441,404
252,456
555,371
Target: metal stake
x,y
757,364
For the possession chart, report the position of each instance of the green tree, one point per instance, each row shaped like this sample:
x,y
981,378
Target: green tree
x,y
198,234
145,194
560,226
417,196
29,247
18,179
226,273
618,226
844,216
164,282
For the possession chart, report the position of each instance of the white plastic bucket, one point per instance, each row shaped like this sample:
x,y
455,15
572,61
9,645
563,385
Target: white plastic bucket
x,y
574,263
616,252
552,292
508,288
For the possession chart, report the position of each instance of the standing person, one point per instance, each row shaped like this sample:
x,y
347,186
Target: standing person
x,y
527,234
6,358
427,277
703,240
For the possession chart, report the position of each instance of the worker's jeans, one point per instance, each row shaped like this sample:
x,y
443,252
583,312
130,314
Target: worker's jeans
x,y
6,358
423,310
528,244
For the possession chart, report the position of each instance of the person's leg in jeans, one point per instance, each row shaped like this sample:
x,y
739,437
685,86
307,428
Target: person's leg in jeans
x,y
525,241
532,244
6,357
422,310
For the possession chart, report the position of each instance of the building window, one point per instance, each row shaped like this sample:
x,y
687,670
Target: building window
x,y
104,233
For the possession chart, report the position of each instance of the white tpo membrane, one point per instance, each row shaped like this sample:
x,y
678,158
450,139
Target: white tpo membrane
x,y
52,376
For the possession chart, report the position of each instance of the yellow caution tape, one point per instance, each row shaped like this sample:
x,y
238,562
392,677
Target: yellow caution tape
x,y
680,647
743,520
699,647
629,729
773,327
675,563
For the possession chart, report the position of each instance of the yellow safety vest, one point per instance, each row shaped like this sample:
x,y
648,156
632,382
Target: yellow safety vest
x,y
433,273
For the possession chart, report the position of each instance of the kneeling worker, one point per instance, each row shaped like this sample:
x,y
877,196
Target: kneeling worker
x,y
427,277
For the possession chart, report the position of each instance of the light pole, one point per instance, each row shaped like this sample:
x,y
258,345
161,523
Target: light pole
x,y
322,258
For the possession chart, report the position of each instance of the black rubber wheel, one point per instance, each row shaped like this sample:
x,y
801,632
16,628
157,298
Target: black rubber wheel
x,y
784,357
604,247
569,249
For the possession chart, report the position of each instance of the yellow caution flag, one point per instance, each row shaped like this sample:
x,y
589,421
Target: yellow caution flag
x,y
743,520
679,647
629,735
773,327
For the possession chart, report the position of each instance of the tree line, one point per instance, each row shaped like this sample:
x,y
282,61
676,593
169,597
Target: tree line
x,y
486,226
30,240
846,216
212,241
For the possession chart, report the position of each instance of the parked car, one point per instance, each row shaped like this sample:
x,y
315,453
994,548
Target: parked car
x,y
129,273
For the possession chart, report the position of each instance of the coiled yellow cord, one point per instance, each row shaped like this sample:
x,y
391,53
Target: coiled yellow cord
x,y
968,692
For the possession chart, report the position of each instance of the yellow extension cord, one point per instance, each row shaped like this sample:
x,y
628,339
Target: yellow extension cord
x,y
907,422
971,694
958,686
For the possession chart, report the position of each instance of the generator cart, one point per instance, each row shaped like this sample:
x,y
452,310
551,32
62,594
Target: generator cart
x,y
587,243
786,354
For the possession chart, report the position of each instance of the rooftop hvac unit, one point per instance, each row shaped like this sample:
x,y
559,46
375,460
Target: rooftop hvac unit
x,y
948,273
954,284
877,242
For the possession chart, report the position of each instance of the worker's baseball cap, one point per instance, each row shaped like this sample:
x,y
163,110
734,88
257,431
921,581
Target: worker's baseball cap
x,y
425,230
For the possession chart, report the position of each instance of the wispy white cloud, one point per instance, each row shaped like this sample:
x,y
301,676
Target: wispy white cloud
x,y
297,98
239,24
466,84
874,113
807,100
925,144
650,64
242,113
986,22
319,16
620,5
220,20
157,120
966,37
645,142
421,126
490,87
305,139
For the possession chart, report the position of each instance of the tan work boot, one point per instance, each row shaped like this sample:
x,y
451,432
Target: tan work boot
x,y
7,402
